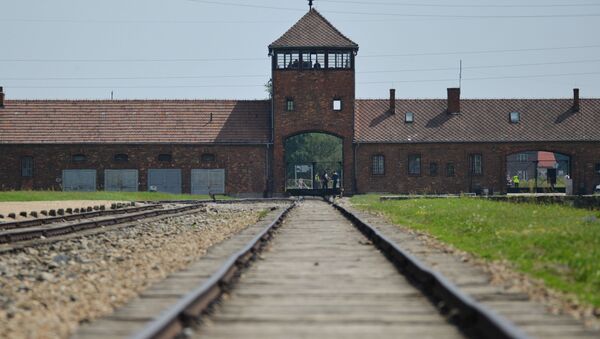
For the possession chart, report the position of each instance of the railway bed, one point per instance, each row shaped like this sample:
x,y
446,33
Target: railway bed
x,y
320,277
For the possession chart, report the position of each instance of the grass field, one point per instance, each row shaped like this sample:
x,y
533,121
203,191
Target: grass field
x,y
123,196
558,244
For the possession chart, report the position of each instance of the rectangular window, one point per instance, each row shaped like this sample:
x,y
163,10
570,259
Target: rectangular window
x,y
27,166
313,60
378,165
165,157
288,60
337,105
475,161
409,117
289,104
414,164
598,168
433,169
449,169
523,157
515,117
341,60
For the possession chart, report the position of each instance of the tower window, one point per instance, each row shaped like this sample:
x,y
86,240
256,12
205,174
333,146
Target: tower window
x,y
165,157
289,104
78,158
313,60
409,117
27,166
288,60
337,104
121,157
342,60
208,157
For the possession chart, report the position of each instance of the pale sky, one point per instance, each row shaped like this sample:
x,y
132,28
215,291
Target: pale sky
x,y
197,49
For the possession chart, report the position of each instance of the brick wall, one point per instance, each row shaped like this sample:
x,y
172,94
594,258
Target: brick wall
x,y
313,92
396,179
244,165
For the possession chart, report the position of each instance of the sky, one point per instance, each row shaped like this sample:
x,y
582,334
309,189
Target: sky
x,y
217,49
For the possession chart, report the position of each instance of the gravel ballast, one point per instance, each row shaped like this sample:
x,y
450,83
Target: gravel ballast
x,y
48,290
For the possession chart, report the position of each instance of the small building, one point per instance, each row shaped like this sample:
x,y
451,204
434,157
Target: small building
x,y
448,145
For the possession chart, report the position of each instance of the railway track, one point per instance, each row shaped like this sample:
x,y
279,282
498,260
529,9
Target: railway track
x,y
42,229
325,274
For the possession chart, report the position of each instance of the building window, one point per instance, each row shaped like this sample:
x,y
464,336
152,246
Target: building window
x,y
78,158
313,60
342,60
208,157
165,157
378,165
409,117
289,104
414,164
515,117
337,104
27,167
433,169
289,60
523,157
449,169
598,168
475,161
121,157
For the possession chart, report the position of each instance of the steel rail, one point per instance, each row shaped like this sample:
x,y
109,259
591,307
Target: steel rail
x,y
471,316
170,323
69,217
23,234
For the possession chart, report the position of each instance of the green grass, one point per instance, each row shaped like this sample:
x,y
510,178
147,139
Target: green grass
x,y
557,244
124,196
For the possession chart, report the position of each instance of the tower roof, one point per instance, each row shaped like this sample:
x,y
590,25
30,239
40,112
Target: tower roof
x,y
313,30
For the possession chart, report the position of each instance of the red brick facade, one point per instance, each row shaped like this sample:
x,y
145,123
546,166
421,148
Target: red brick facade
x,y
245,166
396,179
313,92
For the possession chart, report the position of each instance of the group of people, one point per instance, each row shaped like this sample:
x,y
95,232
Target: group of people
x,y
325,178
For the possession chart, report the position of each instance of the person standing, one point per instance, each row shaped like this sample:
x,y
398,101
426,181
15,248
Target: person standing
x,y
335,177
516,181
325,179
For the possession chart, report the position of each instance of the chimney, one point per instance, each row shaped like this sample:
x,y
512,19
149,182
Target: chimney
x,y
453,100
392,101
576,99
1,97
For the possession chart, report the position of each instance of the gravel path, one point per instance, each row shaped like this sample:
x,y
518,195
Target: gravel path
x,y
46,291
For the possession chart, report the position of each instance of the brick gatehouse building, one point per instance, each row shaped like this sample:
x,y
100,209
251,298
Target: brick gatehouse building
x,y
446,145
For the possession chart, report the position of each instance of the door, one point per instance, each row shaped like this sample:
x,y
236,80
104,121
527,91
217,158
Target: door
x,y
121,180
205,181
165,180
79,180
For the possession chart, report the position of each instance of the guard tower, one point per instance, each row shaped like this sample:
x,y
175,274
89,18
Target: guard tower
x,y
313,81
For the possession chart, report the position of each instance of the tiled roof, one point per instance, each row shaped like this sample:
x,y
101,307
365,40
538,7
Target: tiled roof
x,y
135,121
485,120
313,30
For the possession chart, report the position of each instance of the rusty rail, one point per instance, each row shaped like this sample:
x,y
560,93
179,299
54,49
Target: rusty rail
x,y
192,305
472,317
30,233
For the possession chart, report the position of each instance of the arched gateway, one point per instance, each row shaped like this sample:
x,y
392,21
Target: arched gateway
x,y
313,90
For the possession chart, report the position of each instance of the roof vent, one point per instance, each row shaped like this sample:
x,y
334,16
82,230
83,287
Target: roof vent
x,y
392,101
1,97
453,100
575,99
